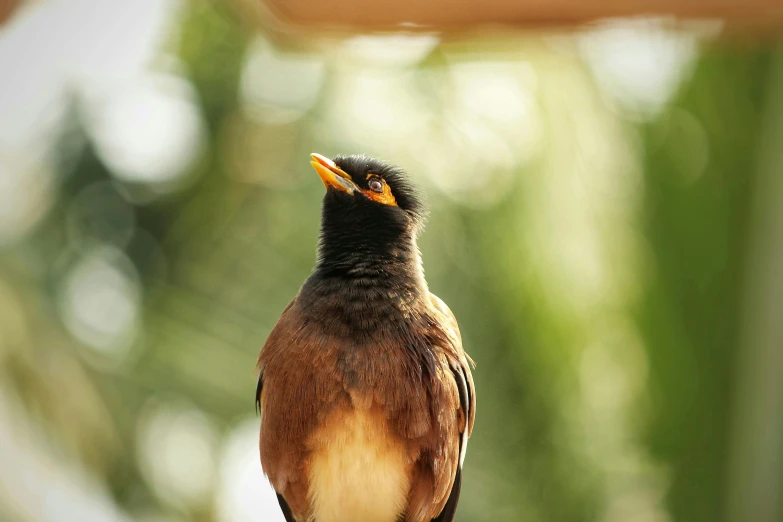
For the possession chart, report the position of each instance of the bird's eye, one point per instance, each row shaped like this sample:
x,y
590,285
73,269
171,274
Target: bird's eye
x,y
375,185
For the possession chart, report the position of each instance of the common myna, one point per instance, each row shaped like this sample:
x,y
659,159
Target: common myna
x,y
365,392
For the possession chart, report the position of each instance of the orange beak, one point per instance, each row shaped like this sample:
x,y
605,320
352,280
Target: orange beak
x,y
332,175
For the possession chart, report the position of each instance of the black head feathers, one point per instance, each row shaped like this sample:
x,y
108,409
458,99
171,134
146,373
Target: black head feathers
x,y
359,166
370,222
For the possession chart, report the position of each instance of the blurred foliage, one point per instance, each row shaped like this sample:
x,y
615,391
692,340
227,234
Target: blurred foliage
x,y
595,255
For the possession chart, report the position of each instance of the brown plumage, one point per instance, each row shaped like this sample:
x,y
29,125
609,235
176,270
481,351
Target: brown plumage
x,y
365,392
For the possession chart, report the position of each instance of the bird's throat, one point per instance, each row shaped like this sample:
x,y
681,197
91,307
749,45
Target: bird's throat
x,y
362,290
383,259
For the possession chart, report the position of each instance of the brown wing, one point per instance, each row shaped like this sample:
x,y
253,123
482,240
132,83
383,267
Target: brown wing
x,y
293,396
260,385
437,474
460,366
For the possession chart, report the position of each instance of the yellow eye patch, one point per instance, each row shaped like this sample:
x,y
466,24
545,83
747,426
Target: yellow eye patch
x,y
384,197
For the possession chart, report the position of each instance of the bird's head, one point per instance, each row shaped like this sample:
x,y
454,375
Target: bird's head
x,y
369,188
370,208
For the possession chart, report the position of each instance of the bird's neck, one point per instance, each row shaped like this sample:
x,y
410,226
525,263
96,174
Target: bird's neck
x,y
363,286
371,262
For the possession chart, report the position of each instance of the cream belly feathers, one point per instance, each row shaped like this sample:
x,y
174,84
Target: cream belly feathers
x,y
358,473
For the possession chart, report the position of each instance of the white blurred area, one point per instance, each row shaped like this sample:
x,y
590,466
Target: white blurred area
x,y
100,300
38,484
148,130
640,63
57,48
277,86
177,452
244,493
105,55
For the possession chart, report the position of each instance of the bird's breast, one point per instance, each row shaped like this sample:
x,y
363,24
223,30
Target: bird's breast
x,y
359,471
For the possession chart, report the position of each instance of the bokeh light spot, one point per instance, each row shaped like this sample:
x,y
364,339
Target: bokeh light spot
x,y
278,86
149,131
99,301
177,445
244,493
638,63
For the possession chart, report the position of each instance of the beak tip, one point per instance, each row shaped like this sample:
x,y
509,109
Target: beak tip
x,y
331,174
323,160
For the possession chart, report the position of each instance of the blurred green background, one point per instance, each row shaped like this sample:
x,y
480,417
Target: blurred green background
x,y
606,224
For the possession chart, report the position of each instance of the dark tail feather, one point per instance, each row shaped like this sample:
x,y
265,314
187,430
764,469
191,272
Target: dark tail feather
x,y
447,515
289,517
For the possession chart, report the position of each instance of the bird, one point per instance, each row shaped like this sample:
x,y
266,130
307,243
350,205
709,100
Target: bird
x,y
365,392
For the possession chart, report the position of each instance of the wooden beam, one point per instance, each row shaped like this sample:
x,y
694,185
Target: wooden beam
x,y
466,14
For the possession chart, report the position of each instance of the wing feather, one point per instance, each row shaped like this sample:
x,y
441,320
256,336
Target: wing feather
x,y
460,364
450,509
